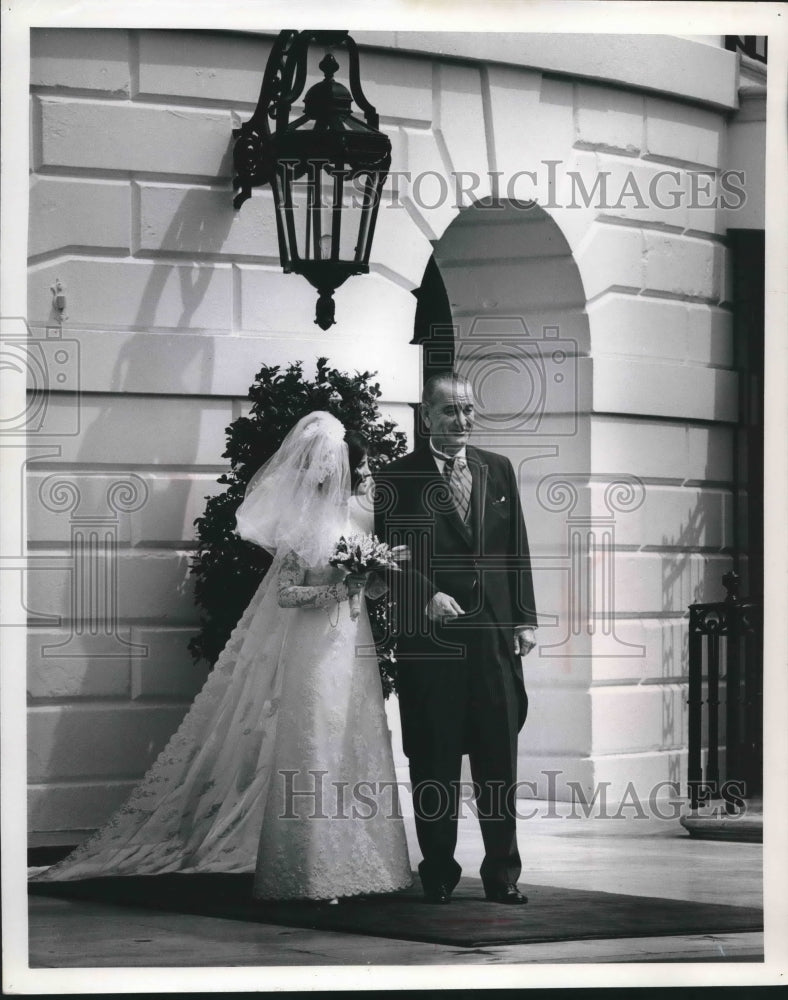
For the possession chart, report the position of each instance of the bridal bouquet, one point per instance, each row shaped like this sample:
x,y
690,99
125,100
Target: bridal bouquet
x,y
361,555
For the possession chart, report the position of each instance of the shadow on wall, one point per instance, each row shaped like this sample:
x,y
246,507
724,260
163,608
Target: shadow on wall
x,y
134,499
688,577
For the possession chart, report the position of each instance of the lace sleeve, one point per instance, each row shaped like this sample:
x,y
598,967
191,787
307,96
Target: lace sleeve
x,y
293,593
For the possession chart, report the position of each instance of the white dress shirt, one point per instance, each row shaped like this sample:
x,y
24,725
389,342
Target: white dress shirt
x,y
441,459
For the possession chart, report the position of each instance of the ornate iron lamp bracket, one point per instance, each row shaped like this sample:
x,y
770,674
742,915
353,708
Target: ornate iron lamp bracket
x,y
326,147
283,82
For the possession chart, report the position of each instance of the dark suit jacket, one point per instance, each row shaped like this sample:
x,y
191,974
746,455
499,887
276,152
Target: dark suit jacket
x,y
484,566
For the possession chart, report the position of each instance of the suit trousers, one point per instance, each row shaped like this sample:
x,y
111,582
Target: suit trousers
x,y
469,703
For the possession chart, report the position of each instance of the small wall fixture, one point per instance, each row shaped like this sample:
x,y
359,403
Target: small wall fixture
x,y
59,298
326,168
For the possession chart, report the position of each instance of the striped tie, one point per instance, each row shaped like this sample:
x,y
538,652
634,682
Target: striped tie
x,y
458,477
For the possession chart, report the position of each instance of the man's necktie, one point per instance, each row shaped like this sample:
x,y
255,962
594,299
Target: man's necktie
x,y
458,476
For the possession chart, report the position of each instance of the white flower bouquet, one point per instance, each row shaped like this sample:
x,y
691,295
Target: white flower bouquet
x,y
362,555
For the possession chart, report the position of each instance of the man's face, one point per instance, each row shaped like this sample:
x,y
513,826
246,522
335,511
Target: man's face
x,y
449,416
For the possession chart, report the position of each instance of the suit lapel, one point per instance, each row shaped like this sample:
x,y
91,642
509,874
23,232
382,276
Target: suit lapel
x,y
426,467
430,469
478,493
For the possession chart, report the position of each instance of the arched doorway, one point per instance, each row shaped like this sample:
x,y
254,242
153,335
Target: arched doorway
x,y
517,305
502,302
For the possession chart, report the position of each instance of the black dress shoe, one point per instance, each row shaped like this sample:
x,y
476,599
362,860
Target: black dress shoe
x,y
437,894
506,894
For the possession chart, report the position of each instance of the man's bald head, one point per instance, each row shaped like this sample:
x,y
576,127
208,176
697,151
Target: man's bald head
x,y
447,380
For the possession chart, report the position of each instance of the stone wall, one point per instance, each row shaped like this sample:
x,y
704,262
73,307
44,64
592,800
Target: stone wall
x,y
174,302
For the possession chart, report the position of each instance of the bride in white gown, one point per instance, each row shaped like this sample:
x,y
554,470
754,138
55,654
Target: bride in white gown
x,y
283,765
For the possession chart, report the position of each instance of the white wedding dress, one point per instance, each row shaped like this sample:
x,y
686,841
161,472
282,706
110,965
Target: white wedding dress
x,y
293,704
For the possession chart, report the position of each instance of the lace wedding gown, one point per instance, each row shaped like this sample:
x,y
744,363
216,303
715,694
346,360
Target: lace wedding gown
x,y
293,705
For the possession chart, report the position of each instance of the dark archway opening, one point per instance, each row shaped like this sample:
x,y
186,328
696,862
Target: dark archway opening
x,y
434,331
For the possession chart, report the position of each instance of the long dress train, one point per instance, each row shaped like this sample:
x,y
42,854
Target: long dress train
x,y
293,704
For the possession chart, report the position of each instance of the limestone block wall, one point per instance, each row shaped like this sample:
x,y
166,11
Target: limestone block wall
x,y
627,477
174,301
665,402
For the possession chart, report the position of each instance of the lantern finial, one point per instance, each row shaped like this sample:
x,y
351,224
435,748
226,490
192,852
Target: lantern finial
x,y
324,312
328,65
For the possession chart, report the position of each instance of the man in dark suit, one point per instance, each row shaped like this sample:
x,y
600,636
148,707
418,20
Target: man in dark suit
x,y
465,615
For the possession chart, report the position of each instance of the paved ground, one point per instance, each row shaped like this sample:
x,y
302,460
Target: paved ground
x,y
644,857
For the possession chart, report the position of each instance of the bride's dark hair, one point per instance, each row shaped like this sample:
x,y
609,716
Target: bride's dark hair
x,y
357,451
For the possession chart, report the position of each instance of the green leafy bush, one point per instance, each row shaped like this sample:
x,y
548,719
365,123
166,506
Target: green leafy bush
x,y
227,569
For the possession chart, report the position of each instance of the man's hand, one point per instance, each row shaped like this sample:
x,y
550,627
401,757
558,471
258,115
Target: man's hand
x,y
524,640
443,608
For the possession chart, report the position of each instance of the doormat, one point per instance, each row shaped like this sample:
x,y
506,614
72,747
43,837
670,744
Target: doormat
x,y
468,921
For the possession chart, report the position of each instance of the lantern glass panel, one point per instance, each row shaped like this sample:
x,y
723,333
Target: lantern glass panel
x,y
286,215
330,220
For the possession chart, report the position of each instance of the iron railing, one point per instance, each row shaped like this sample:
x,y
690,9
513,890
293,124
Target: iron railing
x,y
726,651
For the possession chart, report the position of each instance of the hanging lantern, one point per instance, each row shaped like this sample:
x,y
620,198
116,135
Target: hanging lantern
x,y
326,168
